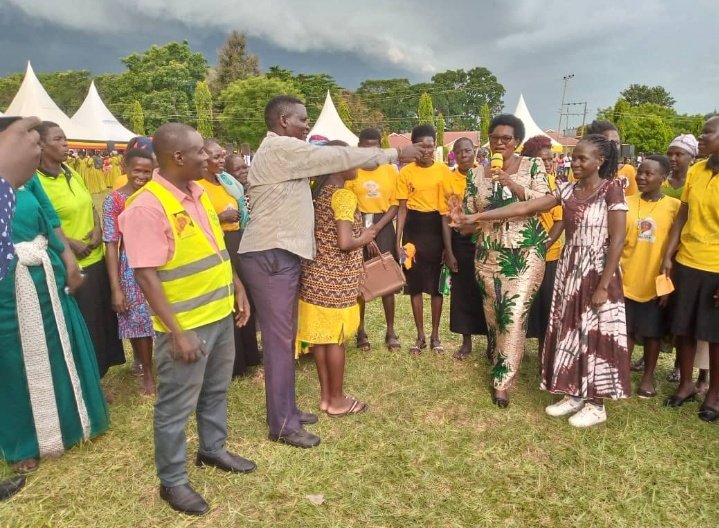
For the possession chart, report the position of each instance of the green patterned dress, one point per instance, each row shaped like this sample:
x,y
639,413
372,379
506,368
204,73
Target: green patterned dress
x,y
509,263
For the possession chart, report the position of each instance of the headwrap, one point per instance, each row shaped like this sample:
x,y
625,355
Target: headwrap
x,y
686,142
140,142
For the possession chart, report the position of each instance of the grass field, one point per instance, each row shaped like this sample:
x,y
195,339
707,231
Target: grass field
x,y
431,451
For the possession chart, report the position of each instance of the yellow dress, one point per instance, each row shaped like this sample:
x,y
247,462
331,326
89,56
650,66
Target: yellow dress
x,y
329,286
115,170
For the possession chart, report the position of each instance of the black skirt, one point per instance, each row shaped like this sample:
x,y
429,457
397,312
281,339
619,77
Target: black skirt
x,y
466,315
95,301
424,230
386,239
538,319
693,311
246,351
646,320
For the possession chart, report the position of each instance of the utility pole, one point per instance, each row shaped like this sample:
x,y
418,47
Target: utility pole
x,y
561,108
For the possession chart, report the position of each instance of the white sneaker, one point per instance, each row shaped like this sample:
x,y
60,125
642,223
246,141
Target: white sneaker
x,y
589,416
565,406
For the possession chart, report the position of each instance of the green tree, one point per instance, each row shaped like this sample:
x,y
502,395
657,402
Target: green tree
x,y
484,118
203,107
67,88
440,134
244,104
137,118
459,94
343,109
385,139
392,98
312,86
425,110
162,78
639,94
9,85
234,62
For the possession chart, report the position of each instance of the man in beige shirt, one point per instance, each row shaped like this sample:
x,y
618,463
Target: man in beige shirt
x,y
279,235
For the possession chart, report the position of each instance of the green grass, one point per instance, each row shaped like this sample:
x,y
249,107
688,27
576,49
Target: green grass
x,y
431,451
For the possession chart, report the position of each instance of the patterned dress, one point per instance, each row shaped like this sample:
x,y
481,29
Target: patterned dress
x,y
136,321
585,351
509,263
329,286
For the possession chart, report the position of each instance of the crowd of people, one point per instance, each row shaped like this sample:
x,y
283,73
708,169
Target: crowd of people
x,y
188,259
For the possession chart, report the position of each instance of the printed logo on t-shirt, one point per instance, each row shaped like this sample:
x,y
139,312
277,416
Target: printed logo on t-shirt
x,y
647,228
372,189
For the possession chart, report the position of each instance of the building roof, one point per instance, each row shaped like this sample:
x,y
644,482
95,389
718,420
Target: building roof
x,y
400,140
330,125
565,141
97,121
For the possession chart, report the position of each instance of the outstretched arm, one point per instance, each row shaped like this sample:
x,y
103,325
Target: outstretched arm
x,y
516,209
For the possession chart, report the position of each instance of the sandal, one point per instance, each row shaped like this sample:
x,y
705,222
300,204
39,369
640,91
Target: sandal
x,y
437,346
26,466
673,376
392,342
357,407
417,348
363,342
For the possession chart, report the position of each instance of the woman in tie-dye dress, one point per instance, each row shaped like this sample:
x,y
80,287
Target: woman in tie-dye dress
x,y
585,354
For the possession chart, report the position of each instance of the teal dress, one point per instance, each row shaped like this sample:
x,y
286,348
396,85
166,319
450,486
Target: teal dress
x,y
73,383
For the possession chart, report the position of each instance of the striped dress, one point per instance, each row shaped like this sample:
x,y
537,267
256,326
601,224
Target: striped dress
x,y
585,351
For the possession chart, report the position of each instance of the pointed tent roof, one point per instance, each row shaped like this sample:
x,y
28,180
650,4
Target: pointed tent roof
x,y
32,100
330,125
530,126
97,121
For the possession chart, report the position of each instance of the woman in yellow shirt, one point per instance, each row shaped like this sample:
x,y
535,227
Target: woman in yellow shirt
x,y
696,272
376,193
419,222
649,220
553,223
227,209
466,316
82,229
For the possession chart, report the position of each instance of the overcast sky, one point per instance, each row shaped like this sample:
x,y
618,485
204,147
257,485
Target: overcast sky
x,y
528,44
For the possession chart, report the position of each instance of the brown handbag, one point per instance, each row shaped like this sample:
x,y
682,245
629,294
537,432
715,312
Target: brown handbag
x,y
381,276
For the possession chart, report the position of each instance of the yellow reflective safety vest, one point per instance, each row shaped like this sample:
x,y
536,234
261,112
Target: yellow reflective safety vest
x,y
197,281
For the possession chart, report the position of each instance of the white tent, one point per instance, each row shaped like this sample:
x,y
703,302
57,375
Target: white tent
x,y
531,128
97,121
330,125
32,100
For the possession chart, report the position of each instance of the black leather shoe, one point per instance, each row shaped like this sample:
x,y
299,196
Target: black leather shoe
x,y
226,461
502,403
10,487
300,438
308,418
676,401
184,499
708,414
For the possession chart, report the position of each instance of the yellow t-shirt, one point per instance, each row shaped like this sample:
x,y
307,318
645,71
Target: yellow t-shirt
x,y
376,190
73,204
422,187
648,226
548,219
630,174
221,200
455,183
120,181
699,243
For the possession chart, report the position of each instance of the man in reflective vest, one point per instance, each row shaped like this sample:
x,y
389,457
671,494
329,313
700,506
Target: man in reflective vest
x,y
174,242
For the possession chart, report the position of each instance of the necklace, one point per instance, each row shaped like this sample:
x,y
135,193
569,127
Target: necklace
x,y
649,214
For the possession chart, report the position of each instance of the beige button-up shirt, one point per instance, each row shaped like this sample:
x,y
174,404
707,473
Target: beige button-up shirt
x,y
282,214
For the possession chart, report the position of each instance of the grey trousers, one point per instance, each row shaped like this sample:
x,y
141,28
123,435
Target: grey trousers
x,y
187,387
273,279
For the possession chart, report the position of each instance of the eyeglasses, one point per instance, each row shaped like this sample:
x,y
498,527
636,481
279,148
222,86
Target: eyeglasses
x,y
501,139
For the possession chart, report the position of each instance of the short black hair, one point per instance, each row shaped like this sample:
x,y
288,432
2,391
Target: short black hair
x,y
137,153
663,162
509,120
422,131
44,127
370,134
278,106
600,126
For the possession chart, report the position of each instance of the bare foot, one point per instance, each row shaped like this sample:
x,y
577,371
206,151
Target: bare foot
x,y
26,466
701,388
324,405
147,385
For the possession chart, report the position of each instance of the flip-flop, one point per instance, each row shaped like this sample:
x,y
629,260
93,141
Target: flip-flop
x,y
26,466
392,342
418,346
363,342
352,409
437,346
461,355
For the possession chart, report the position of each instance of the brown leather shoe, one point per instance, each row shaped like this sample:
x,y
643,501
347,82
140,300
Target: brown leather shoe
x,y
184,499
